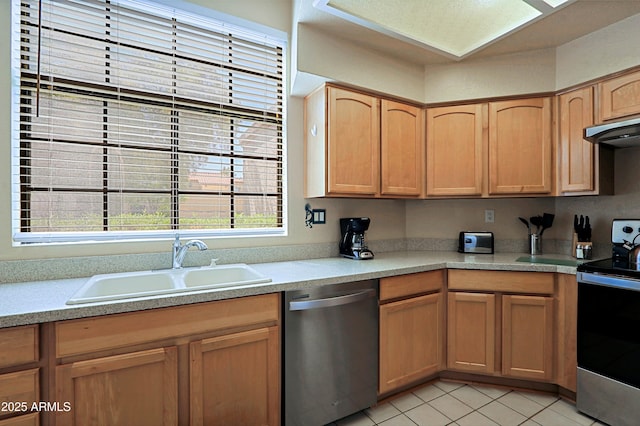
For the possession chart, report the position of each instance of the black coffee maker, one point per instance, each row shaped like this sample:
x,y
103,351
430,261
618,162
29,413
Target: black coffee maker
x,y
352,244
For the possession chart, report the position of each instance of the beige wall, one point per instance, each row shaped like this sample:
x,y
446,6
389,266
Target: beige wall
x,y
531,72
335,59
602,52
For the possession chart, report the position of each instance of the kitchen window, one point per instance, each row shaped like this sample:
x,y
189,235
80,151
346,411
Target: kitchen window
x,y
135,120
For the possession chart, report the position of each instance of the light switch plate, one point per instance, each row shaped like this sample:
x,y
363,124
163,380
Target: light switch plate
x,y
319,216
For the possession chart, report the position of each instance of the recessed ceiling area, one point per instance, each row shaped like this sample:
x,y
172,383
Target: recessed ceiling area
x,y
453,28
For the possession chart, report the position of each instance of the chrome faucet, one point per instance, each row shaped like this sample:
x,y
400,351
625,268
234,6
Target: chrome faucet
x,y
180,251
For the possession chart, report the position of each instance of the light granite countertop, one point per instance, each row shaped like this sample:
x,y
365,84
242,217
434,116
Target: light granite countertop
x,y
45,301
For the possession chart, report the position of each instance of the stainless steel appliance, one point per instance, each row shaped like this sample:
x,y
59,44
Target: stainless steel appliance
x,y
352,243
330,352
475,242
609,332
620,134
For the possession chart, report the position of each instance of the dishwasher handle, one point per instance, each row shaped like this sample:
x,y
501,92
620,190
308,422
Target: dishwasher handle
x,y
305,305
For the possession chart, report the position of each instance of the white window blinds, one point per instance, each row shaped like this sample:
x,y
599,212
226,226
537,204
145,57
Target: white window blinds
x,y
138,120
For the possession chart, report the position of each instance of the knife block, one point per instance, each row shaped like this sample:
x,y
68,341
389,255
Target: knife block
x,y
574,244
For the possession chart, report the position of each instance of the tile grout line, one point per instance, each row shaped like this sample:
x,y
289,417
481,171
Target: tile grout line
x,y
543,406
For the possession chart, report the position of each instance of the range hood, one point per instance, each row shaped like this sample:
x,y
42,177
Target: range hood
x,y
621,134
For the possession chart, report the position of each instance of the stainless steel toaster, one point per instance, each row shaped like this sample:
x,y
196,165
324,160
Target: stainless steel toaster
x,y
475,242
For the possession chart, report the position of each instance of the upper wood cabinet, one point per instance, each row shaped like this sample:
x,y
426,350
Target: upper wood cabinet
x,y
358,145
620,96
455,142
517,135
520,142
577,156
402,151
353,143
342,143
584,168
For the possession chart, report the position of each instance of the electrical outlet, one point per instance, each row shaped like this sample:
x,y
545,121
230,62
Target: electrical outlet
x,y
489,216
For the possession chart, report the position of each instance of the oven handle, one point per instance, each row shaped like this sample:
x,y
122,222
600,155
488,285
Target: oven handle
x,y
608,281
331,301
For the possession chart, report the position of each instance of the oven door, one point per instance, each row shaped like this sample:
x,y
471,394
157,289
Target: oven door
x,y
609,348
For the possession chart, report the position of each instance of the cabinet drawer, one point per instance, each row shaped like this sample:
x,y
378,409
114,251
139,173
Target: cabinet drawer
x,y
88,335
411,284
32,419
21,387
19,345
503,281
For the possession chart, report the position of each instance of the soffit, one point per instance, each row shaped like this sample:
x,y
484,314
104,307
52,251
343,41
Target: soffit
x,y
572,21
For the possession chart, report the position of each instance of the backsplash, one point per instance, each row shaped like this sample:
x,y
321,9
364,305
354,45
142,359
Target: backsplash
x,y
79,267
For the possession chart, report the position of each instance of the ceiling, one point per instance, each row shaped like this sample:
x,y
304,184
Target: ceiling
x,y
567,23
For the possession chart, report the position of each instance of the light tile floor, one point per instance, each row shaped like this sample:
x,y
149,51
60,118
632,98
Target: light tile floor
x,y
447,403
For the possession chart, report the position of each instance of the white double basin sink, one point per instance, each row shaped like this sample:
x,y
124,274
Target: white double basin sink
x,y
150,283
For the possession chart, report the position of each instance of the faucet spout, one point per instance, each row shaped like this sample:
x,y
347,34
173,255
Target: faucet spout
x,y
180,251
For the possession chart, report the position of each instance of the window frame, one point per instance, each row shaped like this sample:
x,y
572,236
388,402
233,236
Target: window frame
x,y
24,238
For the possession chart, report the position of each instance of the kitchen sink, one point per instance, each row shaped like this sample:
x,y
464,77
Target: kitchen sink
x,y
128,285
223,275
124,285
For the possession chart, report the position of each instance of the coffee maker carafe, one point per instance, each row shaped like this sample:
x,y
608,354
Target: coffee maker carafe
x,y
352,244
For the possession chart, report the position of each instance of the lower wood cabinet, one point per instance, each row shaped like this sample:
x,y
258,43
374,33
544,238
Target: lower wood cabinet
x,y
138,388
20,370
567,331
411,329
215,363
31,419
232,379
506,327
527,337
471,333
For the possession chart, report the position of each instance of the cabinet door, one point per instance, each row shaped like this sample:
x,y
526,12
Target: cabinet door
x,y
527,337
138,388
353,143
401,149
411,340
566,325
455,141
620,97
471,333
235,379
520,147
577,156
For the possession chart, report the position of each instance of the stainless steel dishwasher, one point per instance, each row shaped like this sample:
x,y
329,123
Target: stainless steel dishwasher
x,y
330,352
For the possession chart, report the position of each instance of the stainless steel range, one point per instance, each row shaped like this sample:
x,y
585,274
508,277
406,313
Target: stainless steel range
x,y
609,331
